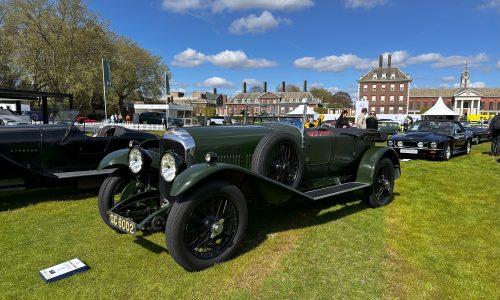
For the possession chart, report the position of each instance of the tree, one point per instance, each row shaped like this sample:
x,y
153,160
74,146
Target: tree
x,y
323,94
288,88
321,110
256,89
209,111
135,69
342,98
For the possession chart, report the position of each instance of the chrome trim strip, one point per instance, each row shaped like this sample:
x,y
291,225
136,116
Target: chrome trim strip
x,y
183,137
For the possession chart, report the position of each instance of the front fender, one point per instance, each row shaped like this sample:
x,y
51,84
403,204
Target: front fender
x,y
369,161
120,158
271,191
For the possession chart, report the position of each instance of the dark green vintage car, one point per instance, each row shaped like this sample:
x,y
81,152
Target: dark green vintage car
x,y
196,182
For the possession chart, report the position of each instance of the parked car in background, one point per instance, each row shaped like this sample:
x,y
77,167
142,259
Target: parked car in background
x,y
198,185
480,132
83,119
388,126
10,118
216,120
435,139
159,118
41,155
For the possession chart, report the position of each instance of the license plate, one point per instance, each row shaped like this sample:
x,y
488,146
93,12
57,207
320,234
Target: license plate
x,y
122,223
409,151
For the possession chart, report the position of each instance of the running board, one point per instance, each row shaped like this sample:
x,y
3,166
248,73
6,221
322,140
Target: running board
x,y
76,174
335,190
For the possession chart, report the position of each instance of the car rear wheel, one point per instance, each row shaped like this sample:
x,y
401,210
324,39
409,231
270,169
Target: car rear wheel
x,y
118,186
380,193
207,226
278,157
468,147
446,155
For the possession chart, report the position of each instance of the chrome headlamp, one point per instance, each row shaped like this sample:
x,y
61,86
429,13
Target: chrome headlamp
x,y
171,165
390,143
433,145
135,160
420,145
400,144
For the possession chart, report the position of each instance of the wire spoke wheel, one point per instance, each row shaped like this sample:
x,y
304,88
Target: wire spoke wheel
x,y
283,165
380,193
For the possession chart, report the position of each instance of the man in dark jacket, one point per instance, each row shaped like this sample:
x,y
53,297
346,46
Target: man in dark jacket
x,y
495,135
372,122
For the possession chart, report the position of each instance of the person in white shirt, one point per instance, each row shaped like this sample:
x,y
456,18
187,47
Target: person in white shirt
x,y
361,119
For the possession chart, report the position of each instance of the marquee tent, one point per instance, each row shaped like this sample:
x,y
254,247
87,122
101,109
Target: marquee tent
x,y
440,111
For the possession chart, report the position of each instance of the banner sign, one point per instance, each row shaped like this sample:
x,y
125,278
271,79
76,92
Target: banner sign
x,y
107,72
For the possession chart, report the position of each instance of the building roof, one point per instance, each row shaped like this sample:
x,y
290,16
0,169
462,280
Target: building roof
x,y
448,93
399,76
285,96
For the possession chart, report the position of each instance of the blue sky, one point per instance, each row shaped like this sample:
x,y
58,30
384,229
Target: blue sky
x,y
329,43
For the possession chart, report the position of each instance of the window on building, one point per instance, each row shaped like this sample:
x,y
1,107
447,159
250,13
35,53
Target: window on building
x,y
417,106
384,76
410,105
400,98
381,110
401,87
372,108
425,104
393,87
491,106
383,88
257,100
382,98
481,106
374,88
282,109
242,100
400,110
498,105
375,76
235,101
365,88
393,75
391,98
374,98
391,110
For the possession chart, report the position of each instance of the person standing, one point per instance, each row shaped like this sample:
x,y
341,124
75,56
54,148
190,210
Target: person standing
x,y
342,121
371,121
495,135
361,119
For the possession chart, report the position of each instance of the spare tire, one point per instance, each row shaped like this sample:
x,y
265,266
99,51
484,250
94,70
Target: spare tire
x,y
278,157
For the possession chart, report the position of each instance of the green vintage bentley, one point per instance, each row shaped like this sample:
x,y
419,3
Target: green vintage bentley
x,y
197,182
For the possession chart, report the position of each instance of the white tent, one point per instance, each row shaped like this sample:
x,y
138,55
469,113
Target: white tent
x,y
440,111
299,111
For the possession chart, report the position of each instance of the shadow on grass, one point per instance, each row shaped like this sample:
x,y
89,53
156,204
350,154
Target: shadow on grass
x,y
10,200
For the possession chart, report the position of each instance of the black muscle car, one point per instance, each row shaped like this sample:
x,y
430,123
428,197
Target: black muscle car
x,y
480,132
435,139
39,155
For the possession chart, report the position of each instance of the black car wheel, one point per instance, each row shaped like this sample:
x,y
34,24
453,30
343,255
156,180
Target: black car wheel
x,y
468,146
114,188
446,154
380,193
278,157
207,226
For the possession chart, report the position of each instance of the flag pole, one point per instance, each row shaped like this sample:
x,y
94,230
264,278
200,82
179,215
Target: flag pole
x,y
104,91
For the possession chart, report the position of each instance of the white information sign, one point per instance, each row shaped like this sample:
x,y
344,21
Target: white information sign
x,y
63,270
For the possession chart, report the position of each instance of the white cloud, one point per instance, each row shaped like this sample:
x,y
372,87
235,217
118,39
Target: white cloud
x,y
217,82
490,4
334,63
225,59
256,24
189,58
179,90
477,84
182,6
498,64
367,4
252,82
448,78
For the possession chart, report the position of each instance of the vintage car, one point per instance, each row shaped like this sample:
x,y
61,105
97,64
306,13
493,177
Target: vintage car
x,y
480,132
39,155
434,139
196,182
10,118
388,126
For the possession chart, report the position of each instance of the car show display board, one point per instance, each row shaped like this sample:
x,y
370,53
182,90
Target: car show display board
x,y
63,270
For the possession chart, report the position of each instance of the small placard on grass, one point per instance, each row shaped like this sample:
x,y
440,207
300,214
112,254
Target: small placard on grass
x,y
63,270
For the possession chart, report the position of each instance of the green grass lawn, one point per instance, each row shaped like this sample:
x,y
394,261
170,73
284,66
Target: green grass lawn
x,y
440,238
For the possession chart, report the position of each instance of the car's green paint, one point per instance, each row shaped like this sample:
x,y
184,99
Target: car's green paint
x,y
119,158
370,160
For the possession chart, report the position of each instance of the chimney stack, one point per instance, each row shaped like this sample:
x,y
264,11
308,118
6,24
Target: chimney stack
x,y
283,87
265,86
380,60
215,91
305,85
244,87
389,58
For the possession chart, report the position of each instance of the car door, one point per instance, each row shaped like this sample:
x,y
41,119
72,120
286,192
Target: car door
x,y
459,136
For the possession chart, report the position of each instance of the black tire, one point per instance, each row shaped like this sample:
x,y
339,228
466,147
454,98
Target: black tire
x,y
195,219
278,157
110,193
447,152
380,193
468,147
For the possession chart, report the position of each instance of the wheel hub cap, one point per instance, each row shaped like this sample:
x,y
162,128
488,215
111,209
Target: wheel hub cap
x,y
217,228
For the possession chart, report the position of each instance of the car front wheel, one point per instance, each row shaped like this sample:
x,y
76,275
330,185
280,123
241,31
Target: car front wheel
x,y
468,146
446,155
207,226
118,186
380,193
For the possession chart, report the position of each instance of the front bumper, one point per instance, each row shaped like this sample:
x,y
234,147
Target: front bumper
x,y
417,152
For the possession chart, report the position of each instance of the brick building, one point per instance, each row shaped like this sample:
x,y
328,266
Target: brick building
x,y
200,100
269,103
387,89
